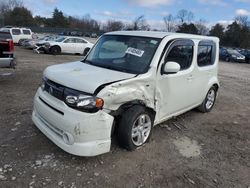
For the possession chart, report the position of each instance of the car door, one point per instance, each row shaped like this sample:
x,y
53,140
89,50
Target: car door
x,y
175,92
16,35
68,45
206,66
80,45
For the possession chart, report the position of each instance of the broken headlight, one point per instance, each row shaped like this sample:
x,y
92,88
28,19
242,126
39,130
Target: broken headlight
x,y
83,102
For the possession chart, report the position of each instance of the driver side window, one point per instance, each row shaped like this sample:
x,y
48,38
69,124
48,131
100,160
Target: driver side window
x,y
181,52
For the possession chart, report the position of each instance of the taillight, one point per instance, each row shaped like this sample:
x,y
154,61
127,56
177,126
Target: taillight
x,y
11,46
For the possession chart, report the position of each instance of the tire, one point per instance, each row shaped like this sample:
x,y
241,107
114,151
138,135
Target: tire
x,y
208,103
137,121
55,50
227,59
86,51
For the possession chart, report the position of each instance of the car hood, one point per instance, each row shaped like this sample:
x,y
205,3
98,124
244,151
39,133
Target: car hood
x,y
83,77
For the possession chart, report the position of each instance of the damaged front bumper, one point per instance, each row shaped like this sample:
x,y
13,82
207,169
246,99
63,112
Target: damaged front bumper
x,y
78,133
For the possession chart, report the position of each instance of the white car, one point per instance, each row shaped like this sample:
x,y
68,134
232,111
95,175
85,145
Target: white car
x,y
129,82
19,34
71,45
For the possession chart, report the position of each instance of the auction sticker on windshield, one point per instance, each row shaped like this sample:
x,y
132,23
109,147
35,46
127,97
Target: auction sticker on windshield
x,y
135,52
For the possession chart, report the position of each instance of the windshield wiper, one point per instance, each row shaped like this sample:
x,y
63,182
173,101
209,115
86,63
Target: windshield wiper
x,y
88,62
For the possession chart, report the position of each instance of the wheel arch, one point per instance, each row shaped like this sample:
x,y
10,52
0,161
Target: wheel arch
x,y
217,86
118,113
130,104
55,45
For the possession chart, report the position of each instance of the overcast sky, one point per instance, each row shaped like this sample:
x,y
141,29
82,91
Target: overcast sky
x,y
210,10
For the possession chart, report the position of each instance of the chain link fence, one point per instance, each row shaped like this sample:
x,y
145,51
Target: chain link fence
x,y
65,31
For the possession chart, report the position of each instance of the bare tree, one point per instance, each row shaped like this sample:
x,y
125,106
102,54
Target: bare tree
x,y
170,23
201,25
8,5
242,20
113,25
139,23
185,16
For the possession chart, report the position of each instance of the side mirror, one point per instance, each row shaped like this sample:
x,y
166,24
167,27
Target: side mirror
x,y
171,68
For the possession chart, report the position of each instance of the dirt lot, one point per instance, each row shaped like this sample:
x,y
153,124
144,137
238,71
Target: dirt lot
x,y
209,150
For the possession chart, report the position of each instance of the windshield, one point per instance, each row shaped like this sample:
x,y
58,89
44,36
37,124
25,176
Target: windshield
x,y
124,53
60,39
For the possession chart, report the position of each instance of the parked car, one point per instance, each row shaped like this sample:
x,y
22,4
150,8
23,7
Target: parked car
x,y
246,53
72,45
231,55
32,43
7,59
94,35
129,82
18,34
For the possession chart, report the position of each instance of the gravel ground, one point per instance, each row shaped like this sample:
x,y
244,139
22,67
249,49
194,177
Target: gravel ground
x,y
193,150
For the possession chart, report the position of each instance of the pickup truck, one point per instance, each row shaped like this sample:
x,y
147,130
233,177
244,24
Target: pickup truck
x,y
7,58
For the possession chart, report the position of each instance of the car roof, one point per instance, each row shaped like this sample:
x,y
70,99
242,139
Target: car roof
x,y
15,28
74,37
161,35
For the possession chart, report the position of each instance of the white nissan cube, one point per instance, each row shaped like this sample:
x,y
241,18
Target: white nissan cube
x,y
129,82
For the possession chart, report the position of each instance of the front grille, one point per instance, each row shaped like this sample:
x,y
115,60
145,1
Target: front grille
x,y
54,89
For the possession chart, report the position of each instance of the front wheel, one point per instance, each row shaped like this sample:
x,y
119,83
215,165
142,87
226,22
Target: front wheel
x,y
209,101
55,50
135,127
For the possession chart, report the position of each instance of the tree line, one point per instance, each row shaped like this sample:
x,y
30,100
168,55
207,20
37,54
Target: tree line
x,y
236,34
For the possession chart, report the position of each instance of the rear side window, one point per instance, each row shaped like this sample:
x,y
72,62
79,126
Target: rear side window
x,y
26,32
16,31
181,52
5,35
70,40
206,53
79,40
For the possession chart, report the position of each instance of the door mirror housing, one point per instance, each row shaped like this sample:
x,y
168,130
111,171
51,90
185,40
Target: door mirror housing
x,y
171,68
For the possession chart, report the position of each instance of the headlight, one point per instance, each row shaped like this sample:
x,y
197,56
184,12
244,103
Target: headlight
x,y
43,84
234,56
83,102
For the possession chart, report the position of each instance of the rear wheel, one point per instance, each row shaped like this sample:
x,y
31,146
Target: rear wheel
x,y
55,50
135,127
209,101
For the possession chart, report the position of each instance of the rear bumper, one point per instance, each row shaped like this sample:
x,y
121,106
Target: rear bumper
x,y
75,132
7,62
